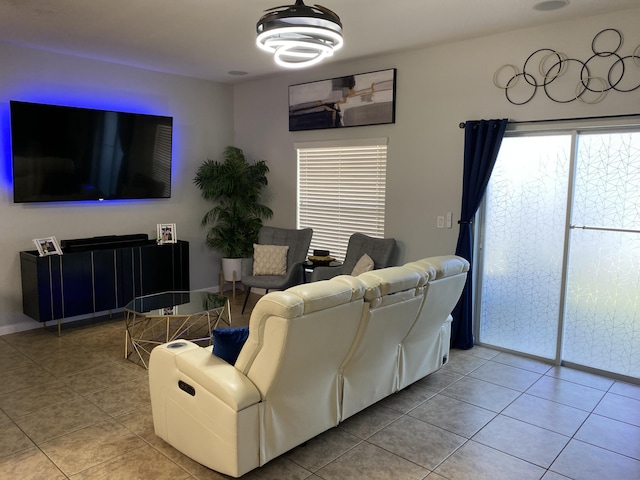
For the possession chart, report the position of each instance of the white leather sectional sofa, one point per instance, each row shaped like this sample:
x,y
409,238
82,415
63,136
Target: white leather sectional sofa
x,y
317,354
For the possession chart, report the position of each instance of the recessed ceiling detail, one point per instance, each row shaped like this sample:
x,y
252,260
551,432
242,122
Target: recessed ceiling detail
x,y
549,5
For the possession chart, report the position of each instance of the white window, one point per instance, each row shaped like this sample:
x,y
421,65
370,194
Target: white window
x,y
341,190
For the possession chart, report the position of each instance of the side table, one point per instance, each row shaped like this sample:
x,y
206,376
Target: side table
x,y
308,267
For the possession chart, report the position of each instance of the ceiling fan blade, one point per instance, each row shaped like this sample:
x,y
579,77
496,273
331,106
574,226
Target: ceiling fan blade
x,y
325,10
277,8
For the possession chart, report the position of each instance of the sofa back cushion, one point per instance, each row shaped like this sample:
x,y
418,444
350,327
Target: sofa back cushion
x,y
421,351
393,297
392,284
298,338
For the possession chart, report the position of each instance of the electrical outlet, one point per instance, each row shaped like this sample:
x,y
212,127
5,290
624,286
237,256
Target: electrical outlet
x,y
440,223
449,219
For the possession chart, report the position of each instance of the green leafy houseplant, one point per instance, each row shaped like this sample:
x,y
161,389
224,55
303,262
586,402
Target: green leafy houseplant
x,y
236,187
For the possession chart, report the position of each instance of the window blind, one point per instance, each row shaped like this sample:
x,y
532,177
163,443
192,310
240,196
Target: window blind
x,y
341,190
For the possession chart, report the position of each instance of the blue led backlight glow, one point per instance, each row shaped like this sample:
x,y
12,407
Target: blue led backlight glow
x,y
6,183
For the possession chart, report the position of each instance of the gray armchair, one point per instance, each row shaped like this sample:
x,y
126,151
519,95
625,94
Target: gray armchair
x,y
298,242
379,249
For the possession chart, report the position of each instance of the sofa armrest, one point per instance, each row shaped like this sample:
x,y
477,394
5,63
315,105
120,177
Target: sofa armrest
x,y
185,361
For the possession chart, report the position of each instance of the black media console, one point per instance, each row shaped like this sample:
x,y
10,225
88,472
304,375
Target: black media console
x,y
100,274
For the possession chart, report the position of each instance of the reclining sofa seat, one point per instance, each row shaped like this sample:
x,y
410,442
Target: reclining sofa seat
x,y
298,373
426,347
393,297
282,390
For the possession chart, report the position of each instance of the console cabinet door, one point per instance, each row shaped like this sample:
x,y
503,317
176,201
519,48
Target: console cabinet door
x,y
56,286
156,269
181,266
39,288
162,268
105,280
127,261
76,283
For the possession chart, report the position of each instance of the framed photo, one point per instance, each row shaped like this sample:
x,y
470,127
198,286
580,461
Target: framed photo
x,y
167,233
351,101
47,246
168,311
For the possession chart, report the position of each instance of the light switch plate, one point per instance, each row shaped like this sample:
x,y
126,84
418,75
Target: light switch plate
x,y
440,223
449,219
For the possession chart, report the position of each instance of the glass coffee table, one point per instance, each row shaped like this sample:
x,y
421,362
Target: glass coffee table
x,y
155,319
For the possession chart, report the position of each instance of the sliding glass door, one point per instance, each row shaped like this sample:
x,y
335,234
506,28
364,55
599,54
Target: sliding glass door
x,y
559,250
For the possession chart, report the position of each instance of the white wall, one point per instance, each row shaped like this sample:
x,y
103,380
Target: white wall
x,y
203,126
437,88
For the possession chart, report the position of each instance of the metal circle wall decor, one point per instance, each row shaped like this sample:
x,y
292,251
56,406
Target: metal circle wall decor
x,y
587,81
606,53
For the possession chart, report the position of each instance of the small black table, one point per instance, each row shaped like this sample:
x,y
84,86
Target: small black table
x,y
309,266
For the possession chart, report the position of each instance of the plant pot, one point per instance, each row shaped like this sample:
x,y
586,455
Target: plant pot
x,y
229,266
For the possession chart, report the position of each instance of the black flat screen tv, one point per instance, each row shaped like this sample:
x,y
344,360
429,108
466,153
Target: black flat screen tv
x,y
63,154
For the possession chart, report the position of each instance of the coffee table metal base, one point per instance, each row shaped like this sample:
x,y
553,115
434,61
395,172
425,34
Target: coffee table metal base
x,y
146,330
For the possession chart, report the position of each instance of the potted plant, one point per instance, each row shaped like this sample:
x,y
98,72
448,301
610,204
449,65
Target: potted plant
x,y
236,187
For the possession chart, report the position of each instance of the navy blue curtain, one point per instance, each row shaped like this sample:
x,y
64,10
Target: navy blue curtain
x,y
482,139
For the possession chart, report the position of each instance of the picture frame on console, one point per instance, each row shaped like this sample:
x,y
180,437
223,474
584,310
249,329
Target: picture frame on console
x,y
47,246
167,233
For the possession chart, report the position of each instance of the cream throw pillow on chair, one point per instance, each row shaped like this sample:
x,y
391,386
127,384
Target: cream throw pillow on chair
x,y
365,264
270,259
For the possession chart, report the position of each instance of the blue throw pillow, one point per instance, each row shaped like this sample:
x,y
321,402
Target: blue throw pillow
x,y
227,342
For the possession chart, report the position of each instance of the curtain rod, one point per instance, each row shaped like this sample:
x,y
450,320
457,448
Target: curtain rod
x,y
601,117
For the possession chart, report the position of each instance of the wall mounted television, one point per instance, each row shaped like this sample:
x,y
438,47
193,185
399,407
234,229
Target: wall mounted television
x,y
63,154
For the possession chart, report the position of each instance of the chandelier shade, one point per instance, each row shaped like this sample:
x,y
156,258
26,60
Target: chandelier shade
x,y
299,36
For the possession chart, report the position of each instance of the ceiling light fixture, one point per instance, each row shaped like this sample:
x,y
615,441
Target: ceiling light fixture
x,y
299,36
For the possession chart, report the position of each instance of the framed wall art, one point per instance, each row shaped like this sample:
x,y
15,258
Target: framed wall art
x,y
351,101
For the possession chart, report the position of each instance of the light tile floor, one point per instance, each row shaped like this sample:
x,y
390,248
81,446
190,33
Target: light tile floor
x,y
71,407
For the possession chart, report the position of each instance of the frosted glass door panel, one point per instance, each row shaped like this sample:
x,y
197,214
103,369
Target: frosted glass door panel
x,y
523,245
602,319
